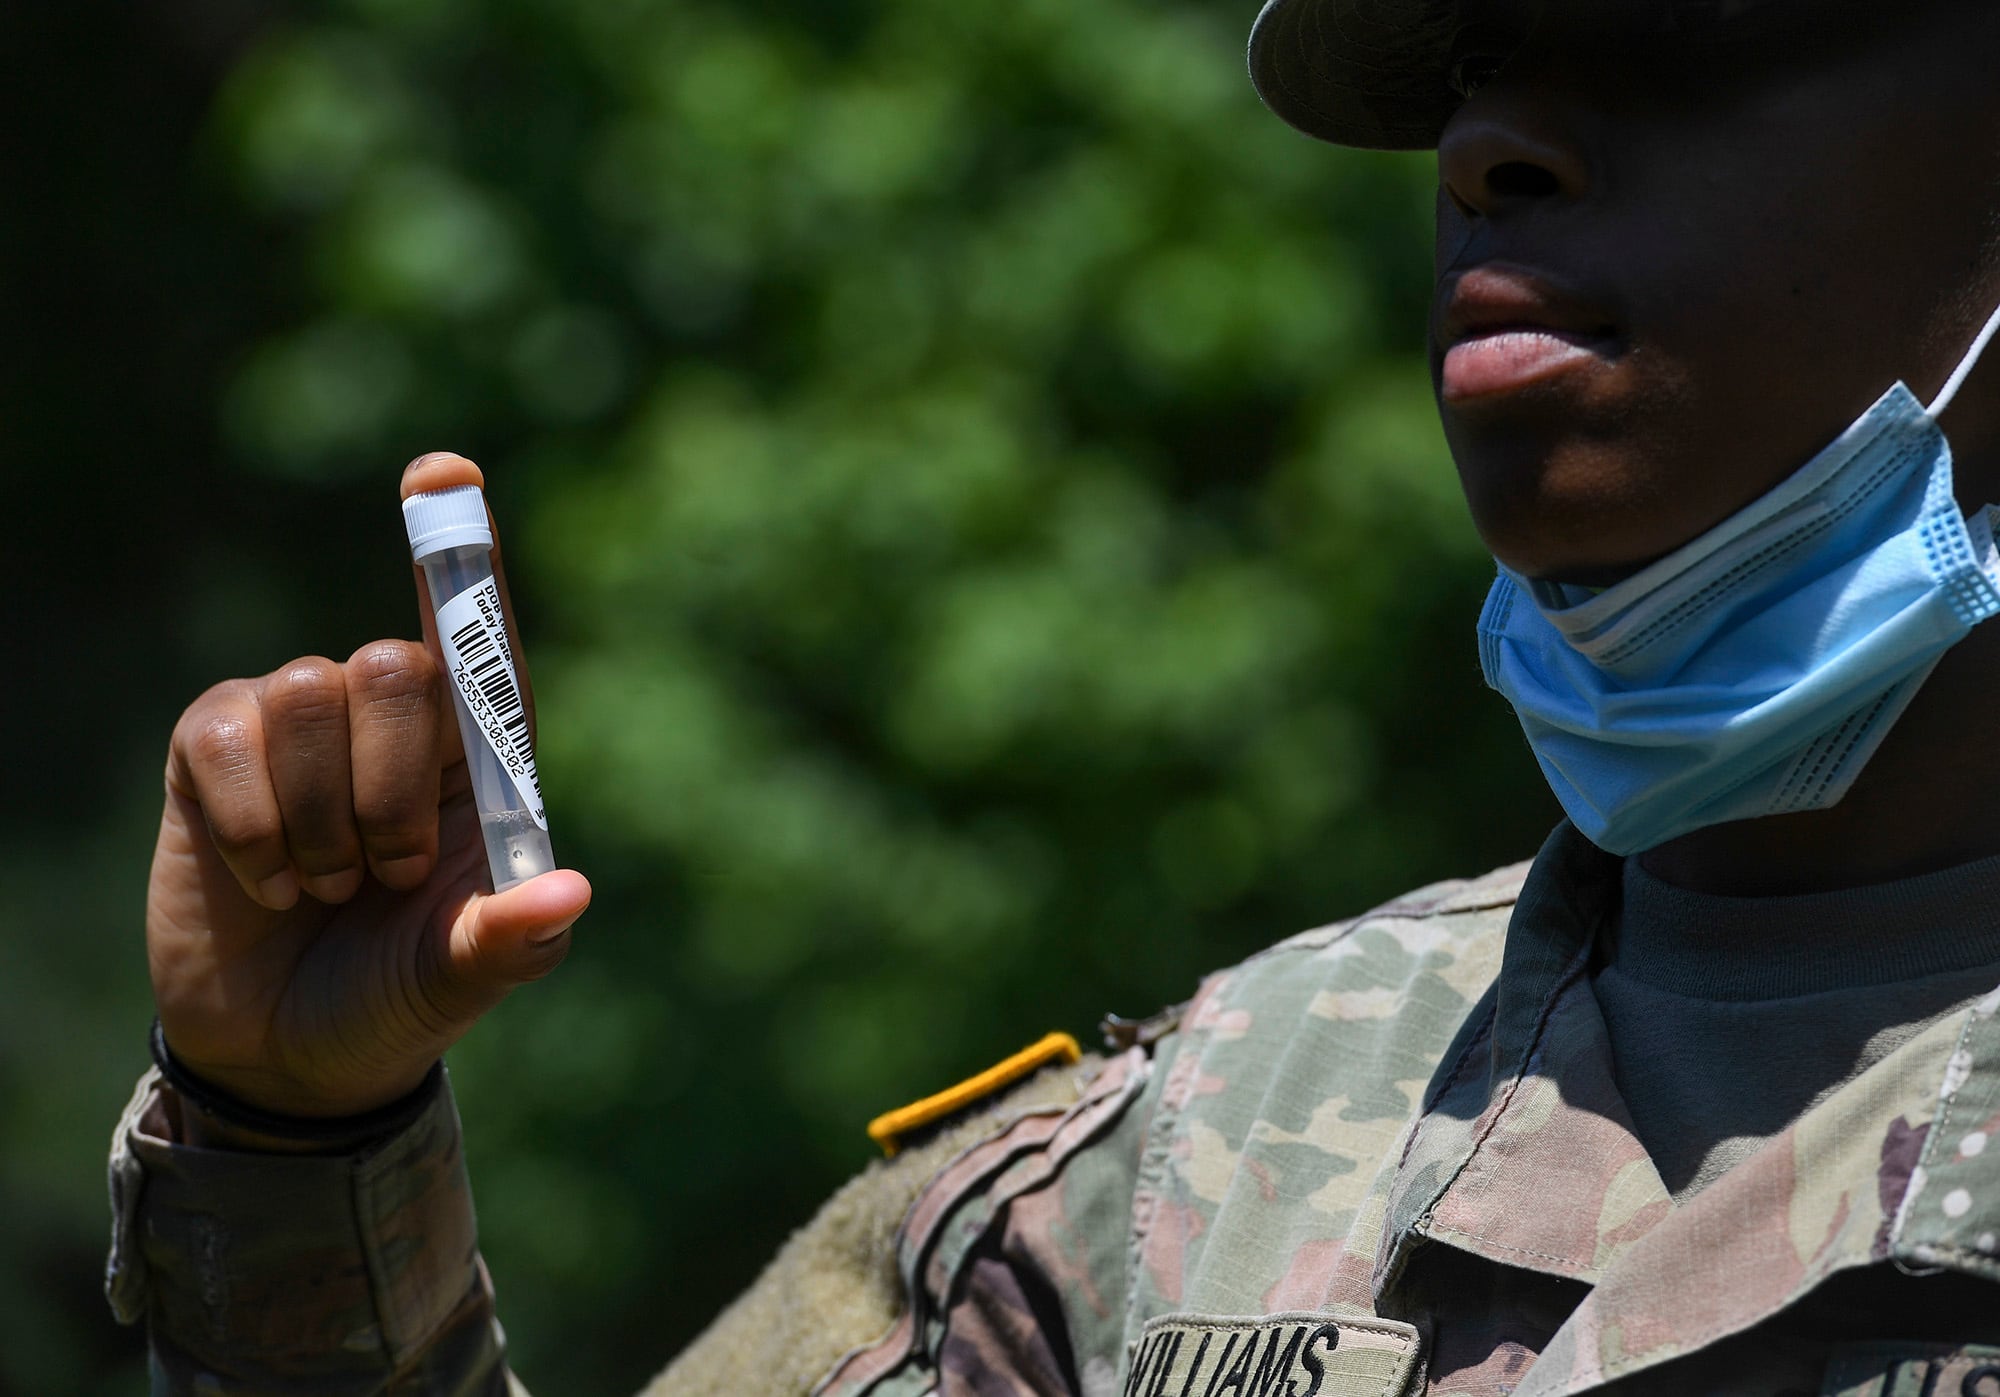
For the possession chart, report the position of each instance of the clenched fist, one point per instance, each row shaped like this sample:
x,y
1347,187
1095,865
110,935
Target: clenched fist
x,y
316,921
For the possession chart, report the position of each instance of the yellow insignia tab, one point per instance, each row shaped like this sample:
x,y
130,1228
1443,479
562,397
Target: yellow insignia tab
x,y
888,1129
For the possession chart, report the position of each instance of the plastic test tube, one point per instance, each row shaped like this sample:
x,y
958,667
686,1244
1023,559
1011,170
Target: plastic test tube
x,y
451,540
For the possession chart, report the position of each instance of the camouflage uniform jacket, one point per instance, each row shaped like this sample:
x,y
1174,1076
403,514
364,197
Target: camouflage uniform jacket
x,y
1385,1157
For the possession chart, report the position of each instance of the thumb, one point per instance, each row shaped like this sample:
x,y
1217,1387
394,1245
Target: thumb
x,y
506,939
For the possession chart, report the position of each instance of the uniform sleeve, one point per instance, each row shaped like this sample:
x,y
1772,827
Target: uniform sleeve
x,y
1013,1263
350,1275
996,1245
838,1286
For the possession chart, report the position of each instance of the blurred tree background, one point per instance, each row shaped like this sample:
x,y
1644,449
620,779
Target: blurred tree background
x,y
970,487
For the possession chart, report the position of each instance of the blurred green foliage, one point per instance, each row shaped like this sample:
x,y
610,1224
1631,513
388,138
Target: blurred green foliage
x,y
981,532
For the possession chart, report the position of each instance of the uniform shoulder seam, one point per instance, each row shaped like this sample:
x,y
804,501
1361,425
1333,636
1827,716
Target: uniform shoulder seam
x,y
1451,897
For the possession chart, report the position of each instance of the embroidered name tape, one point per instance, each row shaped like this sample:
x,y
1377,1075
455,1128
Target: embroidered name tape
x,y
1289,1355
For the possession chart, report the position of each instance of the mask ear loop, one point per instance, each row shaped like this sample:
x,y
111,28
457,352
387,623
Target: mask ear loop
x,y
1965,366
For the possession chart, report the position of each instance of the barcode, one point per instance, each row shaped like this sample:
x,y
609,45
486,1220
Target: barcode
x,y
487,667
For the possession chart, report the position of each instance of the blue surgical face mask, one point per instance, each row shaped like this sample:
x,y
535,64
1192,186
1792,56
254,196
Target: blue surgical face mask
x,y
1756,669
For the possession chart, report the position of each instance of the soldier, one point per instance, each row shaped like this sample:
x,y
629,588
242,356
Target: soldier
x,y
1698,1102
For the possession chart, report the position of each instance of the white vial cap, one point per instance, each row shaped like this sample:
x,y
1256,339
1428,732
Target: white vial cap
x,y
441,519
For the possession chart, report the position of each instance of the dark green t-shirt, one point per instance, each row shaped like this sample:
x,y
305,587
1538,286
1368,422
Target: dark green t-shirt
x,y
1731,1016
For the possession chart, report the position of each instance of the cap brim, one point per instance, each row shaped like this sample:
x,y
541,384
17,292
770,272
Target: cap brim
x,y
1367,73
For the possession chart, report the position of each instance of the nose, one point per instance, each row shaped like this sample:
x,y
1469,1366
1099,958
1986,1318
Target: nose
x,y
1506,150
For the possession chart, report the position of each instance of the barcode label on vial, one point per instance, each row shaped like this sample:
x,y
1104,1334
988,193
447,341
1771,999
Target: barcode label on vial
x,y
481,666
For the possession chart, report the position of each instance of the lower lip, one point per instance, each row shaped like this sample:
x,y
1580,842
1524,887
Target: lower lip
x,y
1507,361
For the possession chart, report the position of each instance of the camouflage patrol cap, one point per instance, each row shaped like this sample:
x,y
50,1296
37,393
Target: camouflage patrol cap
x,y
1369,73
1379,74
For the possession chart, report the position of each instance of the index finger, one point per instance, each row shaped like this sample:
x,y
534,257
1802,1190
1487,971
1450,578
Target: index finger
x,y
445,470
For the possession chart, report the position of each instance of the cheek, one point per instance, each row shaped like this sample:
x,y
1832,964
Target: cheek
x,y
1768,321
1811,247
1767,355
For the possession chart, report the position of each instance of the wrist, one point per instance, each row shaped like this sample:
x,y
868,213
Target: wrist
x,y
211,1117
204,1130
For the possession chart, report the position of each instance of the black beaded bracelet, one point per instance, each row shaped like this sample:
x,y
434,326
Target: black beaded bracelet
x,y
310,1130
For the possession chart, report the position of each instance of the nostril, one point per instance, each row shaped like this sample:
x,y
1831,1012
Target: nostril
x,y
1517,179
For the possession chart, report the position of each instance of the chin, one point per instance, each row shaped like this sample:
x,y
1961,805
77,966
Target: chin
x,y
1582,514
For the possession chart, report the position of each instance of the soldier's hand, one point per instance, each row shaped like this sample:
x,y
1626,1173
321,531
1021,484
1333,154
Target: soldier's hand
x,y
315,922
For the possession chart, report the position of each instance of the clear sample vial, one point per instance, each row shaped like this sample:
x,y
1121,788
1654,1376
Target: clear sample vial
x,y
452,541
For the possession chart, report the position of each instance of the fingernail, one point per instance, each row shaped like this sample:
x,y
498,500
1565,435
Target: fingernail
x,y
279,891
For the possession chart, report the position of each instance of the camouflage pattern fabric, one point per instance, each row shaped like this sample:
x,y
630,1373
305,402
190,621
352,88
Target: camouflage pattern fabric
x,y
1384,1157
308,1274
833,1285
1412,1119
1245,1175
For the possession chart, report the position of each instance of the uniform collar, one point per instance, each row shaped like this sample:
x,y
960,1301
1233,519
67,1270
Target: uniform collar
x,y
1501,1071
1525,1155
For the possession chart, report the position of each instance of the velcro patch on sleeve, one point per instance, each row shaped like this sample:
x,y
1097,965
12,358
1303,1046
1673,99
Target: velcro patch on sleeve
x,y
1288,1355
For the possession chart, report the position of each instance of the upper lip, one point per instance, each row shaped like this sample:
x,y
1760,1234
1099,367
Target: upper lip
x,y
1497,296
